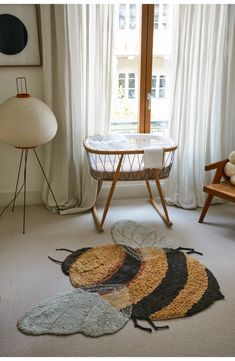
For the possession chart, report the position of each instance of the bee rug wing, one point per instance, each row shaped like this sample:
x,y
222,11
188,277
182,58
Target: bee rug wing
x,y
75,312
134,235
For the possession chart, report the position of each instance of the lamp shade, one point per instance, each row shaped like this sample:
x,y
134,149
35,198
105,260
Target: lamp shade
x,y
26,122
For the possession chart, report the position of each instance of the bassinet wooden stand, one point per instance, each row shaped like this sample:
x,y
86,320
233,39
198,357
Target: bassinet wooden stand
x,y
127,165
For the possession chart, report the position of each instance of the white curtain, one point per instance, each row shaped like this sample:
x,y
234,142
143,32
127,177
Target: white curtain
x,y
77,44
203,105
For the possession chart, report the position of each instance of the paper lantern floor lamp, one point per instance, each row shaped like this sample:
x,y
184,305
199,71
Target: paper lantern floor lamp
x,y
26,123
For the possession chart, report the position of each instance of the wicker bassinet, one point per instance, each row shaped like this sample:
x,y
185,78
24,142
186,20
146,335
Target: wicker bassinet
x,y
104,153
121,158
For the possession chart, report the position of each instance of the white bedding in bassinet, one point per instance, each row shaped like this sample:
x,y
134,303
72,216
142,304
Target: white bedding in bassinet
x,y
130,142
112,142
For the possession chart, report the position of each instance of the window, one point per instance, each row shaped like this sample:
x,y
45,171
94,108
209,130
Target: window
x,y
131,86
121,85
165,16
161,12
122,16
162,86
127,16
154,86
132,21
158,86
156,17
142,58
165,10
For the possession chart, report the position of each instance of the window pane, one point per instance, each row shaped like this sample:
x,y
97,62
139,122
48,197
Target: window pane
x,y
131,80
131,83
161,93
162,83
125,99
122,16
165,10
162,42
156,16
154,81
154,86
132,23
153,92
131,93
133,7
121,85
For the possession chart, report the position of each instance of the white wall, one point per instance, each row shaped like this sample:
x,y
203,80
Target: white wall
x,y
9,156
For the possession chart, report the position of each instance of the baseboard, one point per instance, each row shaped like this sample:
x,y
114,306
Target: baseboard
x,y
123,190
32,198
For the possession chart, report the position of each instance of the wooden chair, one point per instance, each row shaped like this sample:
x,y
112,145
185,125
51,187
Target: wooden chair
x,y
223,189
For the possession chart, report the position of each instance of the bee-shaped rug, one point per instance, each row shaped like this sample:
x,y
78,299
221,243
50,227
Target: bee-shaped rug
x,y
117,282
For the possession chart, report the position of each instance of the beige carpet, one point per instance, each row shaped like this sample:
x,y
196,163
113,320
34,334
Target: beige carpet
x,y
27,278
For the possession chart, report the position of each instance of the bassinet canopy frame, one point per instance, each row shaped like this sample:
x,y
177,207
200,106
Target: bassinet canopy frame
x,y
118,174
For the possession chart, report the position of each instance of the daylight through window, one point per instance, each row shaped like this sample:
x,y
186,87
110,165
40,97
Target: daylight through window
x,y
127,68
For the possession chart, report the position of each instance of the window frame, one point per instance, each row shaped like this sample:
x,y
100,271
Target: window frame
x,y
146,58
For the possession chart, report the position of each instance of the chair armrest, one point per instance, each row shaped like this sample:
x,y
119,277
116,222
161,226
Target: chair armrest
x,y
217,165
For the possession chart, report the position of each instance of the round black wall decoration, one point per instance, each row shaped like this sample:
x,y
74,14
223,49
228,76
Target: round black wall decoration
x,y
13,35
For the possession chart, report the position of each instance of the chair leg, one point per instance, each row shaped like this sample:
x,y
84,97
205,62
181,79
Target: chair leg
x,y
205,208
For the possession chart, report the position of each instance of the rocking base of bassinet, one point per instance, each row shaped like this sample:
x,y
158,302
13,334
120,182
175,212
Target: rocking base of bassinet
x,y
162,211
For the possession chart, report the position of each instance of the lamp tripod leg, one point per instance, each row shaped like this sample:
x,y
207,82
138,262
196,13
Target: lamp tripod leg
x,y
17,181
25,176
44,174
